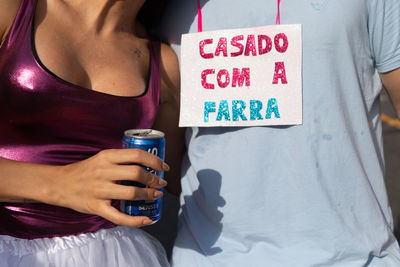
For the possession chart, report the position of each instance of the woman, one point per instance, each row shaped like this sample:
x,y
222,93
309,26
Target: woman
x,y
74,74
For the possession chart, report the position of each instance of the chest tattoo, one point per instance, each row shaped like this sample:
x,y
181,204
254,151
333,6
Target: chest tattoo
x,y
137,52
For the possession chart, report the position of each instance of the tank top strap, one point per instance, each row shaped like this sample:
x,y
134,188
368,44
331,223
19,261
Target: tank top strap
x,y
155,72
21,28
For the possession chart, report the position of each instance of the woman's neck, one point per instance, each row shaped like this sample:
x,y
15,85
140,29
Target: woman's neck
x,y
106,16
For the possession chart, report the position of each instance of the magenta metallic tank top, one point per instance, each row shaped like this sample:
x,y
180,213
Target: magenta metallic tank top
x,y
44,119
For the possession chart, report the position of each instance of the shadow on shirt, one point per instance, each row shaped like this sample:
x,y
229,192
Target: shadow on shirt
x,y
208,226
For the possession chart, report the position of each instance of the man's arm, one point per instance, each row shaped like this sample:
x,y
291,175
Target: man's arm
x,y
8,11
391,82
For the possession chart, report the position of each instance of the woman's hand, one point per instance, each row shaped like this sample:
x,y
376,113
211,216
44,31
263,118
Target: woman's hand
x,y
89,186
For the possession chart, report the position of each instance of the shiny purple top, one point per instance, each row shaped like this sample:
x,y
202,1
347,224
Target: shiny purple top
x,y
44,119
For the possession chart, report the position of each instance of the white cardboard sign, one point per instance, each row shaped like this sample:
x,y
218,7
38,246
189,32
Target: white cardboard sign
x,y
242,77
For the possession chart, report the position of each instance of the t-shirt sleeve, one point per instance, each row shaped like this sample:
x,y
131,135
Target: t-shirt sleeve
x,y
384,33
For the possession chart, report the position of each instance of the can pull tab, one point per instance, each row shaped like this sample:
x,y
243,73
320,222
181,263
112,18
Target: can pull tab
x,y
143,133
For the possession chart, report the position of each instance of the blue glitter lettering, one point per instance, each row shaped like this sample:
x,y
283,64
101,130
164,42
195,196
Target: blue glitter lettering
x,y
208,107
255,107
272,107
238,111
223,110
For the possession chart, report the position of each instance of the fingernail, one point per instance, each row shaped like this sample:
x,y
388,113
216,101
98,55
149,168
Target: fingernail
x,y
165,167
147,221
157,194
162,182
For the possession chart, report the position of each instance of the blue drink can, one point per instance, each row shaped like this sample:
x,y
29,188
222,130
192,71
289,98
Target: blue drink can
x,y
153,142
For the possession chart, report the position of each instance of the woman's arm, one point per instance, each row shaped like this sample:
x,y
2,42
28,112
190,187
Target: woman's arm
x,y
168,117
8,11
86,186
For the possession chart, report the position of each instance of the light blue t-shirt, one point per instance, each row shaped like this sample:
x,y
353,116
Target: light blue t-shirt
x,y
294,196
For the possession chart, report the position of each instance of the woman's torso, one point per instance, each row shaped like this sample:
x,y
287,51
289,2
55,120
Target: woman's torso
x,y
48,120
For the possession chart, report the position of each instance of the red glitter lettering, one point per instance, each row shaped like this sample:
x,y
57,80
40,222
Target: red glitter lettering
x,y
222,46
219,78
201,47
279,73
278,47
204,82
239,77
250,46
234,42
268,44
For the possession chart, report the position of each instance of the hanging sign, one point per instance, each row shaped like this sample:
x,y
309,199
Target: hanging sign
x,y
242,77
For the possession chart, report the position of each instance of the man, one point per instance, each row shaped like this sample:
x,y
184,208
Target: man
x,y
300,195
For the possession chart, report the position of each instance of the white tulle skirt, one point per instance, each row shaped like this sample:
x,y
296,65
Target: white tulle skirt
x,y
115,247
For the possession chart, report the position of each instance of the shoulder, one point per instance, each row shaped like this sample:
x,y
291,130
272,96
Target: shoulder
x,y
170,79
8,11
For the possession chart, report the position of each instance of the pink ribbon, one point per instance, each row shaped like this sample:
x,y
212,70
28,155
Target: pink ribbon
x,y
200,20
278,14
